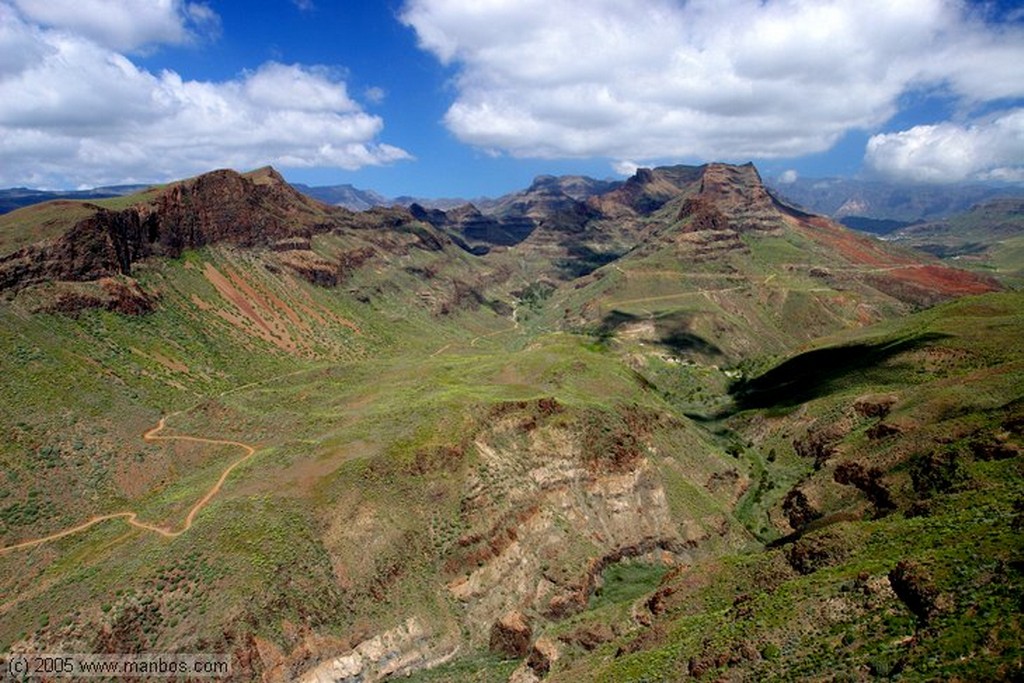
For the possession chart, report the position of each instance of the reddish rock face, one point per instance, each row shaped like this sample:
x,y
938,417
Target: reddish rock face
x,y
224,206
511,635
718,204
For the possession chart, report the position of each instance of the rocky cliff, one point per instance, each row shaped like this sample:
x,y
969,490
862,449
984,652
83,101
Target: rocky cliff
x,y
222,206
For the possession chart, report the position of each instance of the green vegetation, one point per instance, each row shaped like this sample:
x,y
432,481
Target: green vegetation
x,y
987,238
926,591
731,458
626,581
479,668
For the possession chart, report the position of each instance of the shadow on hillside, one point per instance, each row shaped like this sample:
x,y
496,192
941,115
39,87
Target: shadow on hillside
x,y
686,342
612,322
677,338
819,372
582,260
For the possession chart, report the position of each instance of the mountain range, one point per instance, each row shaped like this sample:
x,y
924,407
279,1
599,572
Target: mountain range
x,y
672,427
847,199
869,205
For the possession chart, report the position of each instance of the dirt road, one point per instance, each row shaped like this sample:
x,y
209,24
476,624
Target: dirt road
x,y
132,517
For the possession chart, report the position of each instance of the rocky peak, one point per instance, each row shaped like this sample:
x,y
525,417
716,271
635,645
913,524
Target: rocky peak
x,y
648,190
738,193
725,184
258,208
268,175
224,205
435,217
578,187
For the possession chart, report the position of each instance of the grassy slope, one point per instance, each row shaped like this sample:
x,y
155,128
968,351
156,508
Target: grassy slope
x,y
86,389
342,394
766,295
755,616
340,400
987,239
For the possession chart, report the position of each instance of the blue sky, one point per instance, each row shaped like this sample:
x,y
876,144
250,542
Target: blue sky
x,y
476,97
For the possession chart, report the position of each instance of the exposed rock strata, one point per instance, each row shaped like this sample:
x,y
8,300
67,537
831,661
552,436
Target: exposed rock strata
x,y
398,651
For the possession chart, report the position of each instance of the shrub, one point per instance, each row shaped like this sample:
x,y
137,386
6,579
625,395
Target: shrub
x,y
813,552
943,471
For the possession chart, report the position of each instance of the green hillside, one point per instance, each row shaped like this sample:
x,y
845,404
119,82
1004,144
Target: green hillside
x,y
988,238
678,429
889,495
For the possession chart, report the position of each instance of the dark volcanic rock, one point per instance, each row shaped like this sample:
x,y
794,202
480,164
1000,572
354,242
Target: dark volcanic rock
x,y
104,244
544,653
703,214
227,206
913,585
475,226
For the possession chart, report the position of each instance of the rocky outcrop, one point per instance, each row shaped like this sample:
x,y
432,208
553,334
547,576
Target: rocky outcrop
x,y
648,190
914,586
254,210
511,635
119,295
543,655
547,514
399,651
738,193
703,215
311,266
102,245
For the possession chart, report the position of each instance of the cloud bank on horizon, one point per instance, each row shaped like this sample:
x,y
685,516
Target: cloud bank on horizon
x,y
651,81
73,105
734,79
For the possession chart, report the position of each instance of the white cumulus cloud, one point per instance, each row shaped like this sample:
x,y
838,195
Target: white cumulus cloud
x,y
124,24
625,168
711,79
788,177
75,112
991,149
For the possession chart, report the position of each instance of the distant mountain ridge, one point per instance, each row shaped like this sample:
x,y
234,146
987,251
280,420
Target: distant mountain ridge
x,y
989,237
17,197
873,206
344,195
880,207
575,222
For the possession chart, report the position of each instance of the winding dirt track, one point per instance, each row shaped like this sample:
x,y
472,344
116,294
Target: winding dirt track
x,y
132,517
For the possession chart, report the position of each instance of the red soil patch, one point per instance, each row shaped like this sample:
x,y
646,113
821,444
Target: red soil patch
x,y
264,330
860,250
855,248
947,280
